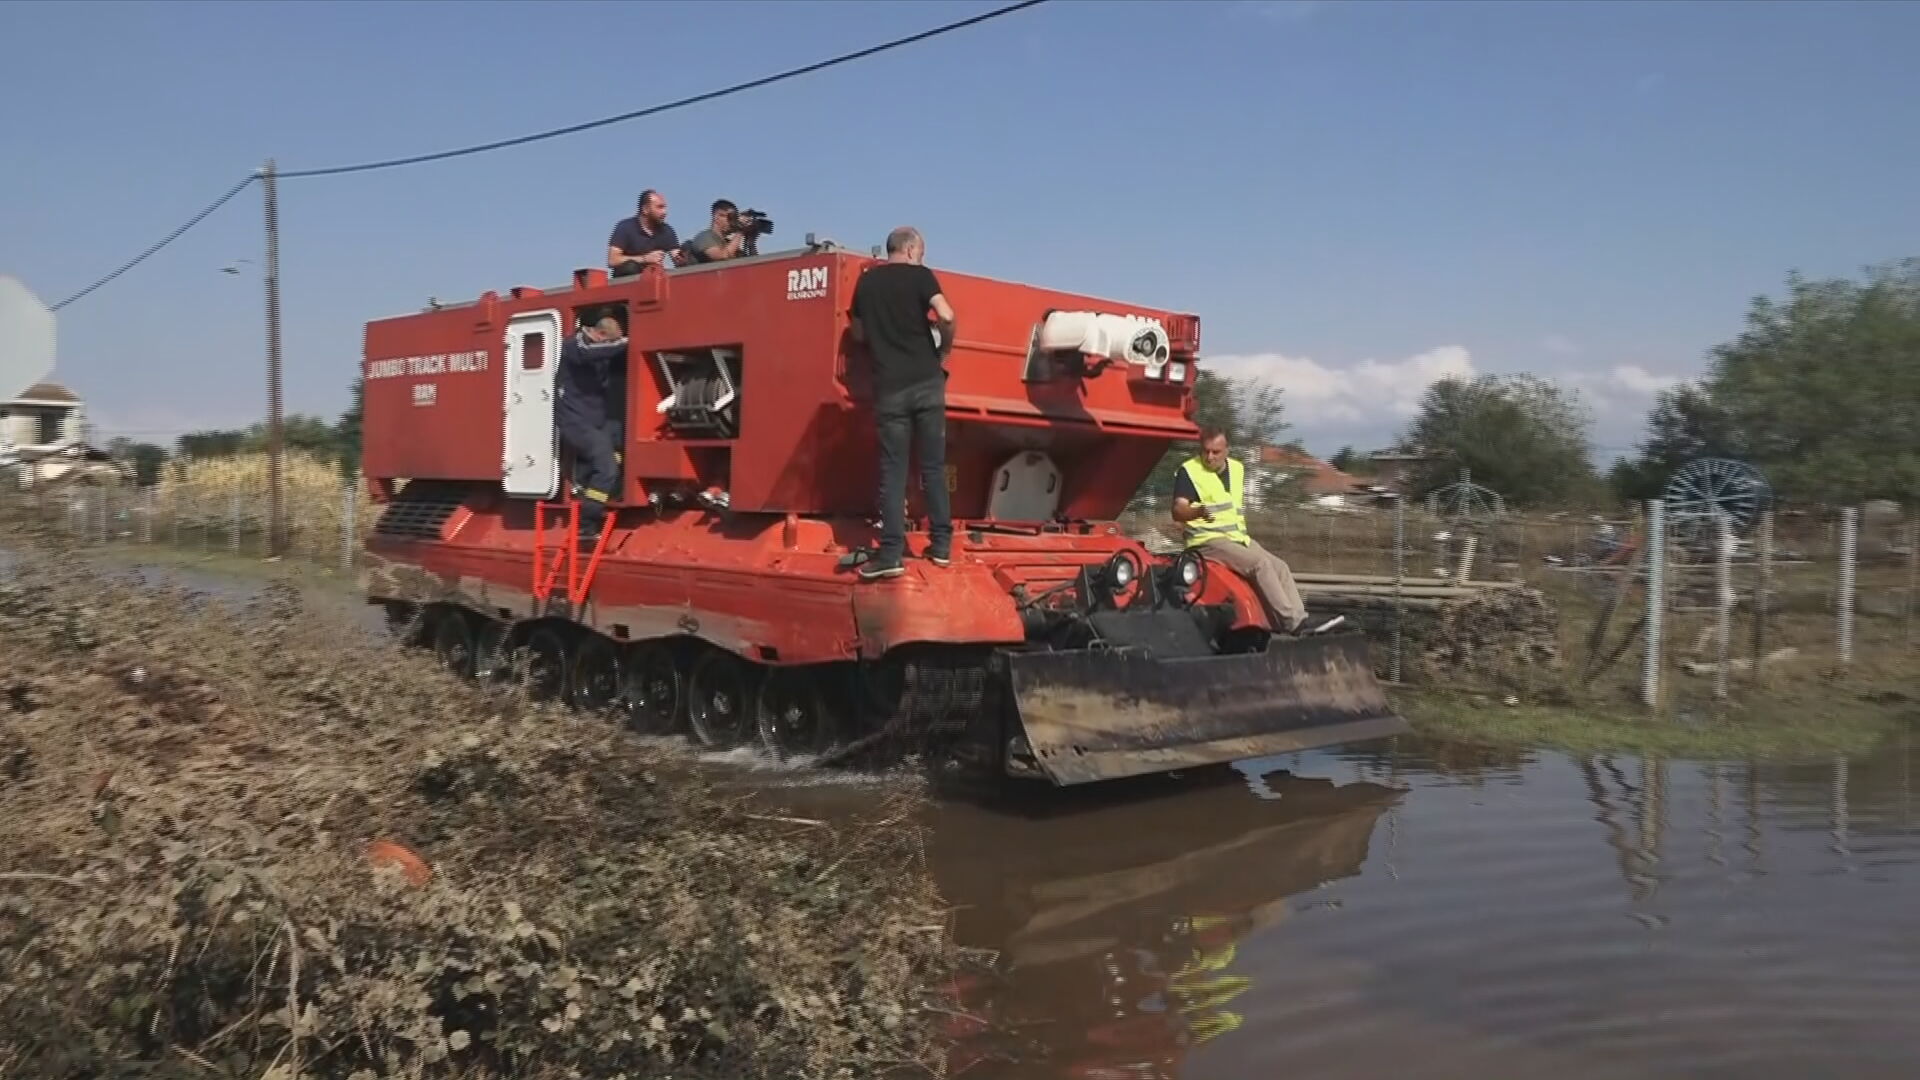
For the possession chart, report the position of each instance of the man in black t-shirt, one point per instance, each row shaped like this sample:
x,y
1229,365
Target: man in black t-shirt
x,y
890,306
643,238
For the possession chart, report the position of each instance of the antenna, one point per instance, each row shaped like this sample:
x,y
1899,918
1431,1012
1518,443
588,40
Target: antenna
x,y
26,338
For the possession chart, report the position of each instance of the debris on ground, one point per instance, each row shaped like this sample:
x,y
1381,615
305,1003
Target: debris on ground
x,y
250,842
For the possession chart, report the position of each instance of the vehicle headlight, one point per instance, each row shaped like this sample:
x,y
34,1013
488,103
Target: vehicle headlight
x,y
1120,571
1189,569
1186,573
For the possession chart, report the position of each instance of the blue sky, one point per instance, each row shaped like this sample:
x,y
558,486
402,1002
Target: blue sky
x,y
1356,197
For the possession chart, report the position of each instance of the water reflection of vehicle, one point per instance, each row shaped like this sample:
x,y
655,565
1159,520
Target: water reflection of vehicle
x,y
1116,926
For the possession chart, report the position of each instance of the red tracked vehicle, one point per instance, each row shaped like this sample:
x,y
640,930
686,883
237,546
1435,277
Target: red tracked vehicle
x,y
719,597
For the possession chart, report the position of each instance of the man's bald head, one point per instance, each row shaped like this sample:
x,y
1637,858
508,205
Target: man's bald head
x,y
906,244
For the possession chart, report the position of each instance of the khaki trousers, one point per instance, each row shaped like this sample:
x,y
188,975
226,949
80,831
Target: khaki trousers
x,y
1270,577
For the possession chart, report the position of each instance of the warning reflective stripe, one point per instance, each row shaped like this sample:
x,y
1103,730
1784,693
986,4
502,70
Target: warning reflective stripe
x,y
595,494
1220,498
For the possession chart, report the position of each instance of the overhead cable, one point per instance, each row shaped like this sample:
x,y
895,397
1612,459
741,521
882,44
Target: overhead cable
x,y
170,238
682,103
653,110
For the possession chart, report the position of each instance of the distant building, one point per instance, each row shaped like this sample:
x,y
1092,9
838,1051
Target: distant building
x,y
1318,479
46,419
43,439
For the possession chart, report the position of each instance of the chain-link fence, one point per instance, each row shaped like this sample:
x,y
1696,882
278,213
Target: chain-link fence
x,y
1509,602
1793,598
217,506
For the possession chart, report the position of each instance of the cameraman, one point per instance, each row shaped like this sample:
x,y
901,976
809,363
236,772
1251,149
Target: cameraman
x,y
723,239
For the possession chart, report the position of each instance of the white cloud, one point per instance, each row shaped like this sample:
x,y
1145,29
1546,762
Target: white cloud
x,y
1638,380
1317,395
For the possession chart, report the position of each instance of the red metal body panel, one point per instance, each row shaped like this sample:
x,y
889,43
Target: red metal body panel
x,y
763,580
806,443
767,588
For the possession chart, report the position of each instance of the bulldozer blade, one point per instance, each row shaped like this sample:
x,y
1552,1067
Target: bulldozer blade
x,y
1102,714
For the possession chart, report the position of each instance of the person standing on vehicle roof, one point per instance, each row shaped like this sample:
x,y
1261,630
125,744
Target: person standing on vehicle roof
x,y
890,307
643,239
592,364
1209,500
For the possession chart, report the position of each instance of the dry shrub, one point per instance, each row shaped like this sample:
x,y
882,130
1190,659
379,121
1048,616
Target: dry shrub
x,y
202,489
187,795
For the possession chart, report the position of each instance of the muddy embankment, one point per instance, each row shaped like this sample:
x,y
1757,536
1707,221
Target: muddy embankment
x,y
247,839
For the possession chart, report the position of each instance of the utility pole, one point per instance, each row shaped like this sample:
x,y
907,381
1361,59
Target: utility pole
x,y
275,448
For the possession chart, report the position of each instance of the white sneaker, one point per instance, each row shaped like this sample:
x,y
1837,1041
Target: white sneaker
x,y
1312,626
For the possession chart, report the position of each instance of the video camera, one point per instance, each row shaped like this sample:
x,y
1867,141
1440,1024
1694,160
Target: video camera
x,y
752,224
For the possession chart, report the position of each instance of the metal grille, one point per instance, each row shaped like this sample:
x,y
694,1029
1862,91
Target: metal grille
x,y
942,695
420,511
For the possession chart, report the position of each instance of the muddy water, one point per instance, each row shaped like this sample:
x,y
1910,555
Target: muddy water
x,y
1430,911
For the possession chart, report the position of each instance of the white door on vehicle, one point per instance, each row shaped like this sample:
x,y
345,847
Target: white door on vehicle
x,y
531,465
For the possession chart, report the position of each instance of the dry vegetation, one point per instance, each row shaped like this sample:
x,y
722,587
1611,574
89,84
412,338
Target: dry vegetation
x,y
194,499
196,804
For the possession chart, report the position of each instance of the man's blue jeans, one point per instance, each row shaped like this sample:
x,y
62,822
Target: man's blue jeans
x,y
913,419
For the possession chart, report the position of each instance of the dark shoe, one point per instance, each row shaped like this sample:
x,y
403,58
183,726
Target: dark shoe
x,y
878,567
587,542
940,556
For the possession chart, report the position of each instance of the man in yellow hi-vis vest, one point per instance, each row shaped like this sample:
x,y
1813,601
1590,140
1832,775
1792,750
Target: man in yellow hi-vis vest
x,y
1209,503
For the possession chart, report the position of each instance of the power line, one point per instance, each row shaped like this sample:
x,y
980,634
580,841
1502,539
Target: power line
x,y
170,238
654,110
556,132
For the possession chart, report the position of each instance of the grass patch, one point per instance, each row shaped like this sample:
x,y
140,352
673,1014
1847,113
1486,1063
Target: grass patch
x,y
1792,721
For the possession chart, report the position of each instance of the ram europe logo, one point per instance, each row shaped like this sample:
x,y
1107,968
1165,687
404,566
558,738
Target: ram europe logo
x,y
807,283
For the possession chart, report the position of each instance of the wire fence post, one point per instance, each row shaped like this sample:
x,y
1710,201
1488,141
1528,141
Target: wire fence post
x,y
233,539
1913,571
1656,601
1399,581
1762,588
1723,591
349,528
1849,553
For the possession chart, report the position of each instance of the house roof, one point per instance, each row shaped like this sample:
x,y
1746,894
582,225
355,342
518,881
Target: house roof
x,y
1319,478
47,391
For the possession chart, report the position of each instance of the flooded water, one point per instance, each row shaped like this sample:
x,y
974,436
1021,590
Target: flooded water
x,y
1433,911
1424,910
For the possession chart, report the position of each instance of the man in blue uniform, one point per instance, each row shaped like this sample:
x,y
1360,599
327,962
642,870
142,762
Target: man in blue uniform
x,y
591,381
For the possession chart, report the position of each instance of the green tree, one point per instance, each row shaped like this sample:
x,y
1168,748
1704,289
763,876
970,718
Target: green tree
x,y
146,458
1352,463
1250,410
1821,390
207,444
347,432
1520,435
1685,424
